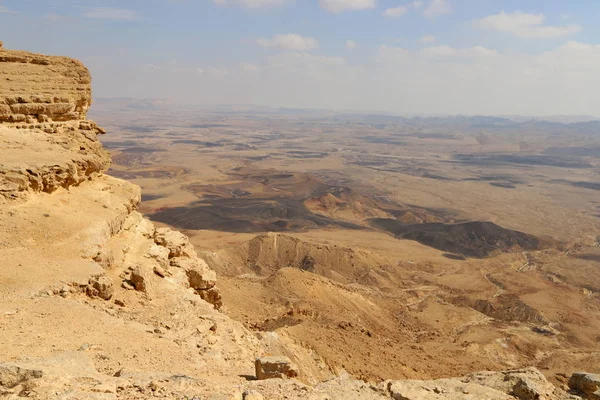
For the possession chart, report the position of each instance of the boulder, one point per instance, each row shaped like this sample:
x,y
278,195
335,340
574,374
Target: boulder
x,y
160,254
212,296
523,384
178,244
526,390
200,276
585,383
141,279
100,286
252,395
442,389
12,375
274,367
187,263
202,279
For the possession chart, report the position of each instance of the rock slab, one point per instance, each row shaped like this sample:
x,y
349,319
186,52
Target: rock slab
x,y
275,367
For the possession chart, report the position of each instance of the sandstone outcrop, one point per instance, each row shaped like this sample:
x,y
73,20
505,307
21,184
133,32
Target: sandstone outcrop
x,y
49,144
38,88
46,140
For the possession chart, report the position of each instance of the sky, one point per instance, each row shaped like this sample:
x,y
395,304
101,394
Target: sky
x,y
493,57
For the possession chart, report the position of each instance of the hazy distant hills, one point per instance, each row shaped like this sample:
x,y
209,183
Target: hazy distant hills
x,y
552,124
476,122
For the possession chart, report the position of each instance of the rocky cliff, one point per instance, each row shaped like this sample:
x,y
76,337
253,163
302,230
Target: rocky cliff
x,y
46,141
97,303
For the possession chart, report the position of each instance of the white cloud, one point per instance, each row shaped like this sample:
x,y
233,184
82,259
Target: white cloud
x,y
465,53
399,11
436,79
427,39
441,51
395,11
251,3
290,41
113,14
6,10
296,62
337,6
437,7
350,44
525,25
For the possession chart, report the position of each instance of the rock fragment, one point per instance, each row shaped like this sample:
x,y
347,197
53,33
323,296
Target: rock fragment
x,y
160,271
178,244
526,390
274,367
588,384
100,286
202,279
12,375
140,280
212,296
252,395
160,254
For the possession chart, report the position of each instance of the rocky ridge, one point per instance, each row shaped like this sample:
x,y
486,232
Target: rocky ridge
x,y
98,303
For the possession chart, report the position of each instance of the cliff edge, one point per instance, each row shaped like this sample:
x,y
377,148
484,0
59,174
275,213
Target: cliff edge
x,y
47,143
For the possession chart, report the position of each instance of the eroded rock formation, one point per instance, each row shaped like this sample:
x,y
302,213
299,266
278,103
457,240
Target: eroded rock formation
x,y
37,88
46,140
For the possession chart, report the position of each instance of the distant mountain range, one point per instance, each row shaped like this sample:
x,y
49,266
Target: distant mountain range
x,y
550,124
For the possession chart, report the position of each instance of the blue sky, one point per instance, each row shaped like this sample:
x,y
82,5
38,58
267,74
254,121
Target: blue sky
x,y
529,57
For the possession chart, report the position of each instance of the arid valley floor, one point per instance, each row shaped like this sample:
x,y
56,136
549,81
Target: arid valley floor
x,y
391,247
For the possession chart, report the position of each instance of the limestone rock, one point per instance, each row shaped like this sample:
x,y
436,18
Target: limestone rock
x,y
212,296
160,271
202,279
12,375
274,367
253,395
141,279
35,84
188,264
47,98
160,254
523,384
442,389
526,390
100,286
585,383
178,244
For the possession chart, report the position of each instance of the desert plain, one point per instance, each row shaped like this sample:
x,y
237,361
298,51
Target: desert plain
x,y
393,247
